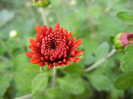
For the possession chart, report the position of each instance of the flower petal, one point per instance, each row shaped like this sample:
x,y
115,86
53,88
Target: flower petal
x,y
70,34
29,54
57,26
78,53
71,53
41,64
36,56
67,63
35,49
78,42
50,29
35,60
77,59
73,39
61,29
50,66
71,59
39,29
33,42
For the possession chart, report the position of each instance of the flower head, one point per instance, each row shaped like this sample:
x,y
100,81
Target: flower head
x,y
54,47
123,39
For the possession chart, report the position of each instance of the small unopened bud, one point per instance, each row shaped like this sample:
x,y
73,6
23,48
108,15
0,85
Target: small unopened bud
x,y
121,40
13,34
41,3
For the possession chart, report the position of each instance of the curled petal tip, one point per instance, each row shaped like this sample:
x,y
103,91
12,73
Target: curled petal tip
x,y
41,64
78,53
29,54
50,29
67,63
39,29
50,66
33,42
70,34
77,60
35,61
71,59
78,42
45,27
57,26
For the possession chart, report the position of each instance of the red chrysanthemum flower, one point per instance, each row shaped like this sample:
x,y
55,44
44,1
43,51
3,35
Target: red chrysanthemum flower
x,y
54,47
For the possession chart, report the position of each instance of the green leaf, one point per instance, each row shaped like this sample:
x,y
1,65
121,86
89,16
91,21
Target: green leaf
x,y
39,83
86,43
124,81
125,16
23,82
127,60
55,93
4,83
73,85
5,16
102,51
20,61
24,77
34,68
115,93
87,59
75,69
99,81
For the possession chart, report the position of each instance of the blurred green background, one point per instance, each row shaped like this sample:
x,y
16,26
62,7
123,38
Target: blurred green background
x,y
93,21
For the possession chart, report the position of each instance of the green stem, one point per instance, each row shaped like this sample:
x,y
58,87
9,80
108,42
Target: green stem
x,y
25,97
4,45
43,16
90,68
54,77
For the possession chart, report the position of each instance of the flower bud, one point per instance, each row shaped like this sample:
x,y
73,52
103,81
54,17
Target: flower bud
x,y
41,3
121,40
13,34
